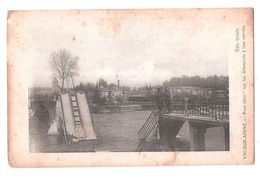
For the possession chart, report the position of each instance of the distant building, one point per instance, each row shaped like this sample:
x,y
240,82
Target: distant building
x,y
220,94
188,91
112,93
145,94
40,93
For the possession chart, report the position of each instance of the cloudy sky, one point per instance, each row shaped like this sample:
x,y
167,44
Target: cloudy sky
x,y
136,47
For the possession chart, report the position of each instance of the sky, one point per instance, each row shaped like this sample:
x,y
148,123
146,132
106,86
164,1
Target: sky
x,y
136,47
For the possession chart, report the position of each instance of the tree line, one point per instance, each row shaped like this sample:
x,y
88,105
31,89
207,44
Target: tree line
x,y
215,82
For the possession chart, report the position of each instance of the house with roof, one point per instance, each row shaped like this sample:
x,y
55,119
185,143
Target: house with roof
x,y
112,93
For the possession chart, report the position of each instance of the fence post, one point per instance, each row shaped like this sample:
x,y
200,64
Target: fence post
x,y
186,112
197,137
226,135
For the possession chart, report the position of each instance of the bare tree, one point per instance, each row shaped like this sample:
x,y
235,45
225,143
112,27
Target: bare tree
x,y
64,65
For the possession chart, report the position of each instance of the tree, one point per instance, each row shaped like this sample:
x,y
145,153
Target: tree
x,y
90,87
102,83
97,97
214,82
63,65
80,87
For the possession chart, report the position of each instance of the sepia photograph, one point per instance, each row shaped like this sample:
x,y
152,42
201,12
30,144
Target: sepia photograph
x,y
130,82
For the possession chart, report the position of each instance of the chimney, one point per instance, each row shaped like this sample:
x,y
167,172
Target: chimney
x,y
118,83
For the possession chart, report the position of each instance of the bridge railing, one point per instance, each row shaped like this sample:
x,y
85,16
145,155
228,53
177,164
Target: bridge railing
x,y
217,108
150,124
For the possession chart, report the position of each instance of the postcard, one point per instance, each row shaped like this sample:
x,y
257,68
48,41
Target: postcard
x,y
130,87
